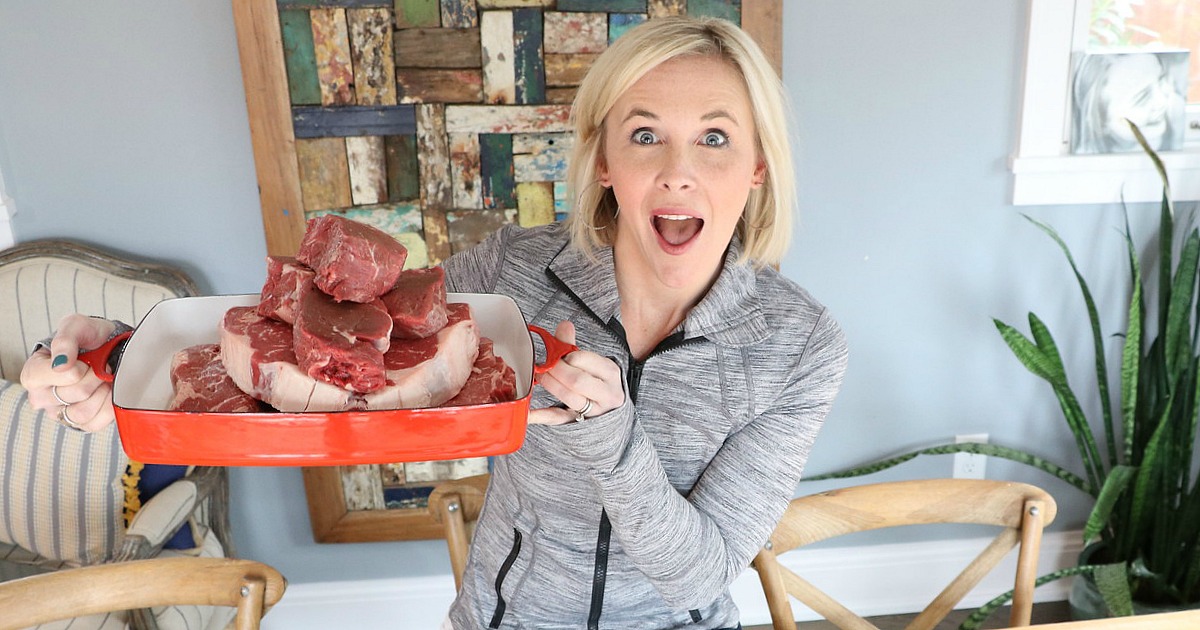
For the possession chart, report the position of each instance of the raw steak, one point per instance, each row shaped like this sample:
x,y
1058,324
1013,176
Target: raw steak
x,y
353,261
428,372
201,383
341,343
285,277
257,353
491,380
417,303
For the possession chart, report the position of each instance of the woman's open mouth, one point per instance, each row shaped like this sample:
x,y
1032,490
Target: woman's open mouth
x,y
676,230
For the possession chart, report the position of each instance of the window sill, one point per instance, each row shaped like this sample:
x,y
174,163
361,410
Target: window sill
x,y
1096,179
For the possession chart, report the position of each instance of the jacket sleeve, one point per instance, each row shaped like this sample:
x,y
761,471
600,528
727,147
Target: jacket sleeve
x,y
692,547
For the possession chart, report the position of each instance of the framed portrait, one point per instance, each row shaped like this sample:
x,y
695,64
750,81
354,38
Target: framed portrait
x,y
437,121
1147,88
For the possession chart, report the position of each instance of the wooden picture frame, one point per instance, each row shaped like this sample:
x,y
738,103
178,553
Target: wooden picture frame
x,y
275,128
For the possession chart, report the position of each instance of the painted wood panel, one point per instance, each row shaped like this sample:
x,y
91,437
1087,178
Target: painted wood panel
x,y
438,48
459,14
499,70
417,13
469,227
535,203
575,32
502,119
619,23
514,4
567,69
615,6
368,170
324,173
496,170
333,3
363,487
423,85
725,9
322,122
400,153
371,52
666,8
541,157
303,86
464,167
530,74
331,44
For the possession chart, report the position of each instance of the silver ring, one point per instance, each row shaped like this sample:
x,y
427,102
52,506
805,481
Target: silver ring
x,y
54,392
579,415
66,420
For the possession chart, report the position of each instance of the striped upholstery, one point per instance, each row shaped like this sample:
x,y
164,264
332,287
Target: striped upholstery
x,y
71,510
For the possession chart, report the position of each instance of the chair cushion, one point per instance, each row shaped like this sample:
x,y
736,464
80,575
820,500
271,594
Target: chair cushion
x,y
60,490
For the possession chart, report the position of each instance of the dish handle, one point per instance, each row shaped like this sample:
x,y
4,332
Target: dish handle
x,y
555,349
97,359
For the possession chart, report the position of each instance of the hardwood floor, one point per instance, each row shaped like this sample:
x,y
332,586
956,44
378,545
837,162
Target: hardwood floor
x,y
1048,612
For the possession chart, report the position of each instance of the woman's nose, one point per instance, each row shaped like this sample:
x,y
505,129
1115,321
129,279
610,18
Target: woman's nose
x,y
677,171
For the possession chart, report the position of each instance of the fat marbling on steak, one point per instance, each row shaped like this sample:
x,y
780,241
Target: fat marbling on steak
x,y
352,260
491,380
417,303
428,372
201,383
281,292
257,352
341,343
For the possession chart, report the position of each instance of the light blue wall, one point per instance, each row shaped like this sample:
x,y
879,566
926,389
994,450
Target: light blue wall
x,y
123,123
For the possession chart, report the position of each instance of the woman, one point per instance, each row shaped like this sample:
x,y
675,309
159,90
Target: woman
x,y
659,456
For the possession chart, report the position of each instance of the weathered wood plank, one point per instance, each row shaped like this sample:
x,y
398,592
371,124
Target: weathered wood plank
x,y
368,169
619,23
363,487
514,4
499,71
459,14
507,119
331,44
447,469
763,20
371,50
535,203
667,8
402,167
541,157
464,170
438,48
575,32
725,9
434,151
469,227
562,202
328,122
264,79
299,57
417,14
561,95
334,3
566,70
496,170
437,235
324,173
527,56
422,85
610,6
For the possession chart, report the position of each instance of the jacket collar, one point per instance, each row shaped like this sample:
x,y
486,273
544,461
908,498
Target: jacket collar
x,y
730,313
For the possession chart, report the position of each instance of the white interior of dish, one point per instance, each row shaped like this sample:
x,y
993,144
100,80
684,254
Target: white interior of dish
x,y
143,378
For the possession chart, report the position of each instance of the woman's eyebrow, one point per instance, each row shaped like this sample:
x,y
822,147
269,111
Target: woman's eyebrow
x,y
637,111
720,113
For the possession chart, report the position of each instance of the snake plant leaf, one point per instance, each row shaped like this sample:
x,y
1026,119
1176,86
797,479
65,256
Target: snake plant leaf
x,y
1028,353
976,619
1158,164
1131,352
1179,309
1144,500
1113,584
1116,482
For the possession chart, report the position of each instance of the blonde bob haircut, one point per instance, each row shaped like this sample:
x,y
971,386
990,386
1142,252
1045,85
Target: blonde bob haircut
x,y
765,228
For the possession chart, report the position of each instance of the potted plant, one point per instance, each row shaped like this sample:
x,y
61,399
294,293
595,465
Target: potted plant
x,y
1143,534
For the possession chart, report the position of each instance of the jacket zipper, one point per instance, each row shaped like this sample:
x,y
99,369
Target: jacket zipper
x,y
498,616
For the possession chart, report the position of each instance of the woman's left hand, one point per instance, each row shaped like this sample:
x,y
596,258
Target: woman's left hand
x,y
583,381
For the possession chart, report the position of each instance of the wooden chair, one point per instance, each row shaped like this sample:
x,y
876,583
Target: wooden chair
x,y
1021,511
70,487
456,505
250,587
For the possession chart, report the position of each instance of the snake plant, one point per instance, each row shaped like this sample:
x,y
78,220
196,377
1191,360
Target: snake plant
x,y
1138,456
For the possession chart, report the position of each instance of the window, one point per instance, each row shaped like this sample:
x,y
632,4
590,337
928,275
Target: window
x,y
1044,171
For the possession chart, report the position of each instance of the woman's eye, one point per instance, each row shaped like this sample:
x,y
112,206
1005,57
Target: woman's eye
x,y
715,139
644,136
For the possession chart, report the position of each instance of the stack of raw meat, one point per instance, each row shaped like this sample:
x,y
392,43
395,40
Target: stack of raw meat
x,y
342,327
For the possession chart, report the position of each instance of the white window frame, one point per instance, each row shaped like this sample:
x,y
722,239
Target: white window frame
x,y
1044,171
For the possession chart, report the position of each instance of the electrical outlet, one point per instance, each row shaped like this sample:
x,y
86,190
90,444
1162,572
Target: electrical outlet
x,y
969,465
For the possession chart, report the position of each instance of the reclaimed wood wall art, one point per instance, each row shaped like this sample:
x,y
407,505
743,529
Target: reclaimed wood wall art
x,y
437,121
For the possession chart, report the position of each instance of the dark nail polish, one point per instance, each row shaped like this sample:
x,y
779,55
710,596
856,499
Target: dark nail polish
x,y
59,359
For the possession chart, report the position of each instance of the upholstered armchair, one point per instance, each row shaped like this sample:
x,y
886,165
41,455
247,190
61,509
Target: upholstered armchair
x,y
70,499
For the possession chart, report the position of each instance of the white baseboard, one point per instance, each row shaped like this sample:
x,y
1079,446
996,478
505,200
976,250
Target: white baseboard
x,y
871,580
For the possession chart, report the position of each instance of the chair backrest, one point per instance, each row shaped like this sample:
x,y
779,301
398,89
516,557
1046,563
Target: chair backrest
x,y
456,505
251,587
1021,511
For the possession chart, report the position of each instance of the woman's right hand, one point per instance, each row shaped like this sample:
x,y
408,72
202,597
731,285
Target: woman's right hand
x,y
57,370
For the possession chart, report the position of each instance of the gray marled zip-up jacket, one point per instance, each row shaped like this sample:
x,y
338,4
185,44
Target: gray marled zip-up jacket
x,y
642,517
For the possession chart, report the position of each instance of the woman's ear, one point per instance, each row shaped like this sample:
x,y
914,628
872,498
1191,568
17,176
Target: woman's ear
x,y
760,175
602,174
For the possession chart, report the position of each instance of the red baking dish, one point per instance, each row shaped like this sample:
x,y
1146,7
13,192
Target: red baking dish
x,y
151,434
